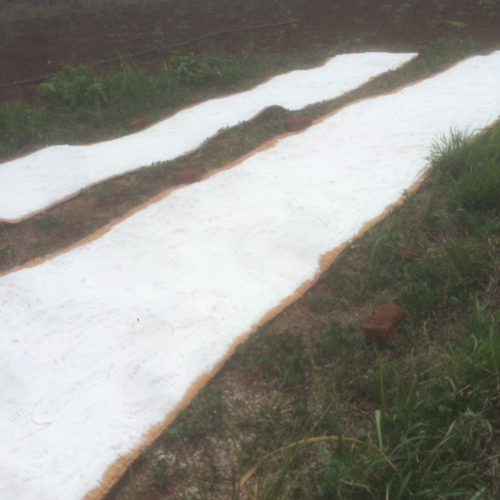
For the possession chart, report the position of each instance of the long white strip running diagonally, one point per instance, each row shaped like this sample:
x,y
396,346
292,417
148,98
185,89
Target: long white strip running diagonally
x,y
100,343
32,183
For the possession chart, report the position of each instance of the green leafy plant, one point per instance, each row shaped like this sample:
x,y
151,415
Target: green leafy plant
x,y
73,88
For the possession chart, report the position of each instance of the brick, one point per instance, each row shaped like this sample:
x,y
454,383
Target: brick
x,y
297,123
383,325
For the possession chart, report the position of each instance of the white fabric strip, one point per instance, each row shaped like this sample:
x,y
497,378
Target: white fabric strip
x,y
100,343
36,181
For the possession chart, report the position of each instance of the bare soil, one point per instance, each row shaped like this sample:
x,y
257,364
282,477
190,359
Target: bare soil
x,y
36,47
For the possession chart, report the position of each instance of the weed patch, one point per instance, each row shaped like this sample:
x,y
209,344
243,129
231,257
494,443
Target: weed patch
x,y
275,355
20,126
48,223
203,416
74,88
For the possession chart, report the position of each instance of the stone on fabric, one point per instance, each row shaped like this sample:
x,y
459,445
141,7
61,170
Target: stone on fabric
x,y
138,123
187,176
297,123
383,325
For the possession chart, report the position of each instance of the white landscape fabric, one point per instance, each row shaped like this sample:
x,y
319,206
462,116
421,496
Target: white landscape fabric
x,y
36,181
100,343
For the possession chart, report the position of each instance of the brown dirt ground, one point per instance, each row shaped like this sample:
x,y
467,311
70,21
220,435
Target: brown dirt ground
x,y
36,47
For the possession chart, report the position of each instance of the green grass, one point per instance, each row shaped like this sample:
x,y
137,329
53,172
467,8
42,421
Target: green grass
x,y
20,127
